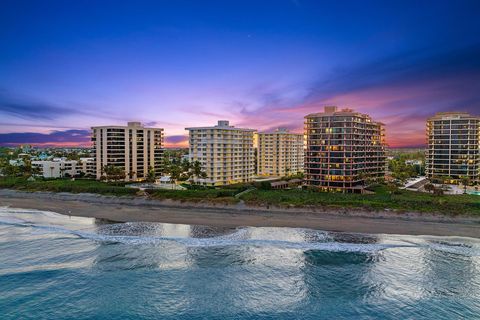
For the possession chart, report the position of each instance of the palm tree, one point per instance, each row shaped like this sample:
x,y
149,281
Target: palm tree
x,y
175,173
27,167
465,181
197,170
166,166
114,173
151,174
185,165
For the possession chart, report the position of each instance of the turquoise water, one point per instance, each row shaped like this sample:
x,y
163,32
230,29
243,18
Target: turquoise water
x,y
474,192
56,267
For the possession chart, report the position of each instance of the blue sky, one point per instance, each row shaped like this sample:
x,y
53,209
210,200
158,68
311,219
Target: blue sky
x,y
66,66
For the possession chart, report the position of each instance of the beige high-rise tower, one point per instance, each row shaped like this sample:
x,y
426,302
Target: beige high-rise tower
x,y
453,147
280,153
225,152
134,148
344,150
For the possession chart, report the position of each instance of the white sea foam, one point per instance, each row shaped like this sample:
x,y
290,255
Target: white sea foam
x,y
237,238
11,220
272,237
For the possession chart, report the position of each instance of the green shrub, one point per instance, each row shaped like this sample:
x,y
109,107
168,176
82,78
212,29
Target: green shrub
x,y
67,185
384,198
401,200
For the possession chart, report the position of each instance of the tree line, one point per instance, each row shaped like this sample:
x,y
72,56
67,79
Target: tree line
x,y
178,170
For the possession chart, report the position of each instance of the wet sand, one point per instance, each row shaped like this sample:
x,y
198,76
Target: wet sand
x,y
125,209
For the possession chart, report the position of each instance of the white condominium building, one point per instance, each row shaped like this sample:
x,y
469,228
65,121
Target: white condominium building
x,y
280,153
453,147
63,168
225,152
57,168
134,148
88,166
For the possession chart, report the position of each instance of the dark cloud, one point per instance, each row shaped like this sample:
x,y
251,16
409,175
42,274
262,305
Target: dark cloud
x,y
176,139
434,79
33,109
456,71
55,137
70,137
401,90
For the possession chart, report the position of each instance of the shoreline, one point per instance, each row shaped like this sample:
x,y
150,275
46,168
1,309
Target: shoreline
x,y
132,209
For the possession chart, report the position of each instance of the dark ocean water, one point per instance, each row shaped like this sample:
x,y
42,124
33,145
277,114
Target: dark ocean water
x,y
56,267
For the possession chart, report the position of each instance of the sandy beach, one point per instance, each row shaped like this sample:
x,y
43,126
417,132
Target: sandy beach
x,y
123,209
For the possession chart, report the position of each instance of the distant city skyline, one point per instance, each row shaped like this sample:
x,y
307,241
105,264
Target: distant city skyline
x,y
69,66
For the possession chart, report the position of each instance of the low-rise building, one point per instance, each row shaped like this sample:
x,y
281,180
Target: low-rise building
x,y
56,168
414,162
286,184
88,167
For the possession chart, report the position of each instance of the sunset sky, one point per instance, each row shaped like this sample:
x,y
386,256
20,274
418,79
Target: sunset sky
x,y
68,65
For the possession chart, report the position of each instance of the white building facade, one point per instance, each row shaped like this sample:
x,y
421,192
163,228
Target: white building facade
x,y
57,168
226,153
88,167
280,153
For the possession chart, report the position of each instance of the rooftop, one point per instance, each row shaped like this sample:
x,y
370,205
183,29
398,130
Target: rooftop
x,y
130,124
281,131
334,111
453,115
221,124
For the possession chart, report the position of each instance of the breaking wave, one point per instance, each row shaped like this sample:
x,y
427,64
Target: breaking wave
x,y
121,233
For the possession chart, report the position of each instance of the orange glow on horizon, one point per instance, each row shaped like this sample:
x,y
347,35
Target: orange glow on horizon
x,y
182,144
393,142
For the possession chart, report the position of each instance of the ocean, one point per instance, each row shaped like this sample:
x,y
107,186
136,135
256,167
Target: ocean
x,y
59,267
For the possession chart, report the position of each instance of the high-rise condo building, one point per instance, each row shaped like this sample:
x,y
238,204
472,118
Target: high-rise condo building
x,y
280,153
453,147
345,149
225,152
134,148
